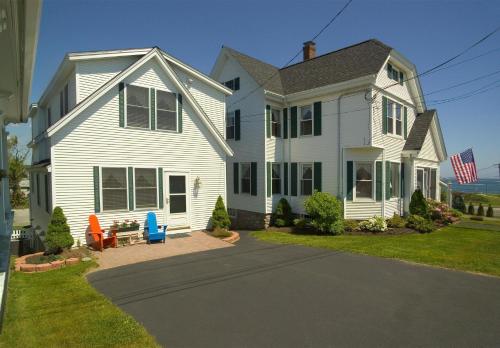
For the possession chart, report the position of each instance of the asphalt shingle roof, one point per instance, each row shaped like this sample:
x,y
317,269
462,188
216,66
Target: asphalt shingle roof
x,y
419,130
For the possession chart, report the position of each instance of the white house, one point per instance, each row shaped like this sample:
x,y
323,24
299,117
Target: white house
x,y
121,133
352,122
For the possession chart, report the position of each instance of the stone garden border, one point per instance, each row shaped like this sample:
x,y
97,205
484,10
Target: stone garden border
x,y
22,266
233,238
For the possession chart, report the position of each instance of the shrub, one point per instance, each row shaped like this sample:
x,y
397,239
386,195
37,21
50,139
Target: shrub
x,y
325,212
283,214
489,212
418,204
480,210
477,218
458,202
58,235
221,232
351,225
300,223
420,224
220,217
456,213
470,210
396,221
374,224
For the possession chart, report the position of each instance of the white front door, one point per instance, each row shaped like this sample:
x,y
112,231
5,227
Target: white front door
x,y
176,202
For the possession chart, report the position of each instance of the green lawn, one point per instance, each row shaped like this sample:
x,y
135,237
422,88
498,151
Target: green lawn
x,y
60,309
454,247
476,198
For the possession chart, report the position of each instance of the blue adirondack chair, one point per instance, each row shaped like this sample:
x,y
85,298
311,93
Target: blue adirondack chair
x,y
155,231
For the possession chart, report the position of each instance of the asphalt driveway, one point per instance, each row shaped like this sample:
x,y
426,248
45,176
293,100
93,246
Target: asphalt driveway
x,y
266,295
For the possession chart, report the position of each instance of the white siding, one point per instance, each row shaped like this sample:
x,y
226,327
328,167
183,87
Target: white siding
x,y
428,150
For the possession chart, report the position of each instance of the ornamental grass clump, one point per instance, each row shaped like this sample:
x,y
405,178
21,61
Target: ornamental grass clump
x,y
396,221
420,224
58,235
283,215
325,212
220,217
489,212
418,204
374,224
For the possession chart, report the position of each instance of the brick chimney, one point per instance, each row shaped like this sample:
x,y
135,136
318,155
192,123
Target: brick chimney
x,y
309,50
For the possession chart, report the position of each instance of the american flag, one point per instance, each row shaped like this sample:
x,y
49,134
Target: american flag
x,y
464,167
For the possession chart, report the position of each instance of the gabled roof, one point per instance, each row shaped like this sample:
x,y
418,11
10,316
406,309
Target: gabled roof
x,y
362,59
426,122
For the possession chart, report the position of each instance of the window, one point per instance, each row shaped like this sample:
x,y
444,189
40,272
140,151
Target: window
x,y
166,110
145,188
395,177
245,177
364,180
233,84
390,116
427,182
306,122
394,118
306,180
276,123
432,184
114,188
49,117
399,122
138,107
230,125
63,101
395,74
38,189
276,178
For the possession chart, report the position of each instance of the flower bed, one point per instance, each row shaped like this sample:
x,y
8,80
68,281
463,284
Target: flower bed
x,y
39,262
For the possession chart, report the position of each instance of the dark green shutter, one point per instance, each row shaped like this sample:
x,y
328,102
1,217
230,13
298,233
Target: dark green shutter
x,y
236,178
401,78
268,121
97,191
317,176
317,118
285,123
237,84
285,179
388,191
293,121
349,180
384,115
179,112
293,177
152,109
130,188
121,103
253,171
405,122
269,179
378,180
389,70
402,180
237,128
160,188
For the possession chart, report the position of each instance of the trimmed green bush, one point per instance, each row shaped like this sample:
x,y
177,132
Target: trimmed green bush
x,y
489,212
220,217
300,223
283,215
396,221
420,224
58,235
351,225
480,210
470,209
221,232
458,202
418,204
374,224
325,212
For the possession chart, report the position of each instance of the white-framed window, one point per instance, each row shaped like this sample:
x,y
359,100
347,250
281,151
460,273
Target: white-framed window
x,y
230,125
276,123
246,177
276,178
390,116
427,182
306,179
114,188
166,110
146,188
395,179
233,84
138,107
395,74
364,180
394,118
399,119
306,120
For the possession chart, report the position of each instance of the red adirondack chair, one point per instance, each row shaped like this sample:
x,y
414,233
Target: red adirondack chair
x,y
99,242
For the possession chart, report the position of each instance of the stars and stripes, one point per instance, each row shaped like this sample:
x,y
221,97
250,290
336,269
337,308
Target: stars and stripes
x,y
464,167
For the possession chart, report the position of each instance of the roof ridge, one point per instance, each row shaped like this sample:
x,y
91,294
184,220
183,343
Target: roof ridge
x,y
246,55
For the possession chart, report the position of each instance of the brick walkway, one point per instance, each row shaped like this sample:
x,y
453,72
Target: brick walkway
x,y
178,245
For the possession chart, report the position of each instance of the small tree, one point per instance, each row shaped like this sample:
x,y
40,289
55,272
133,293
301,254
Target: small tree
x,y
58,233
418,204
220,217
458,202
283,215
470,209
325,212
480,210
17,172
489,212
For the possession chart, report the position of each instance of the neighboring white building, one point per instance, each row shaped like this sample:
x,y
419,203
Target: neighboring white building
x,y
352,122
121,133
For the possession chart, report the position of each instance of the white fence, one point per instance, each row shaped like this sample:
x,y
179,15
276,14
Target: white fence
x,y
21,234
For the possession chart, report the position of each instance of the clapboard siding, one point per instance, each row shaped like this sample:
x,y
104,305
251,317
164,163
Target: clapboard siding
x,y
428,151
362,210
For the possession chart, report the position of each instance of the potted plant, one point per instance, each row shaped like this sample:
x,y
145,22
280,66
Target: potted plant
x,y
125,226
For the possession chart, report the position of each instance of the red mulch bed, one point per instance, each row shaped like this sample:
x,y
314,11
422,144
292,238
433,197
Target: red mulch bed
x,y
390,231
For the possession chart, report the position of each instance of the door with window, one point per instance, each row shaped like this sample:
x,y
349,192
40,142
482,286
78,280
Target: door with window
x,y
176,201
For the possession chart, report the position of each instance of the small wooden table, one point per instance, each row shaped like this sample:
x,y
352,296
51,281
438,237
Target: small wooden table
x,y
130,235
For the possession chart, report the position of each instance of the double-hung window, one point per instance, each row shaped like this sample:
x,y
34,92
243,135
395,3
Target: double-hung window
x,y
230,125
306,179
364,180
306,122
276,178
138,107
394,118
246,177
114,189
395,74
233,84
146,190
276,123
395,179
390,116
399,120
166,110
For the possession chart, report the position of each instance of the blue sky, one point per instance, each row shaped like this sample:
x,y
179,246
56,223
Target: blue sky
x,y
426,32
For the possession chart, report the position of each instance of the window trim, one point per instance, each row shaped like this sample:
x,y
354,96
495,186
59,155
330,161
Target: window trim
x,y
280,171
398,176
241,178
135,188
125,111
373,181
280,123
301,165
299,116
156,111
398,72
394,119
102,193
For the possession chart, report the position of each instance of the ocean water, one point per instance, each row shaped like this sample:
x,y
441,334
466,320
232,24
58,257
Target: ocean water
x,y
482,186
